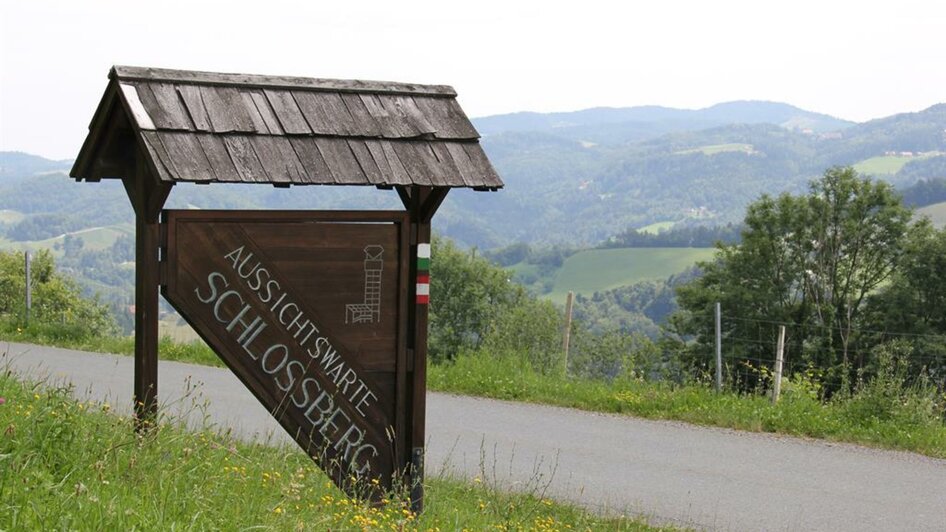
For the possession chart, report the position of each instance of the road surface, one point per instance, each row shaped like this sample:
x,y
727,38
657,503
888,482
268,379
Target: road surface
x,y
674,473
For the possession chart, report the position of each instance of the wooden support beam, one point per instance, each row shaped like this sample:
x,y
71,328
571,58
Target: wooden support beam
x,y
421,202
404,192
432,202
417,345
147,196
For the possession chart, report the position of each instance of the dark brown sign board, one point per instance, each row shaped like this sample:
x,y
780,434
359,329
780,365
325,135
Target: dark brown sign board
x,y
308,309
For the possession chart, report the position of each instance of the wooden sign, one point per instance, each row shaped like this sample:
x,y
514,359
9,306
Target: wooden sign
x,y
308,309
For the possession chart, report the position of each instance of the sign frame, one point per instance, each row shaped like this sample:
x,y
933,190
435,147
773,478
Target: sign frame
x,y
406,465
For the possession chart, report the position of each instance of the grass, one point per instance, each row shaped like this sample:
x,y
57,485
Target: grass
x,y
176,329
524,269
713,149
595,270
936,212
75,465
888,164
655,228
195,352
8,216
893,424
94,238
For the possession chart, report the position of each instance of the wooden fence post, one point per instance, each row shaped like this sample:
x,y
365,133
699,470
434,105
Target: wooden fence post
x,y
29,285
779,354
568,326
719,348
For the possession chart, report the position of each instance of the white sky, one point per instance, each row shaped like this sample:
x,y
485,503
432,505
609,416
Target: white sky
x,y
854,60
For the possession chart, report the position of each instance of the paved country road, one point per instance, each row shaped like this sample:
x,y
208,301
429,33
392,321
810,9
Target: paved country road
x,y
674,473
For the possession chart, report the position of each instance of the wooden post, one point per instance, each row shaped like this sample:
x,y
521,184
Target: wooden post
x,y
419,382
421,203
719,348
568,326
779,357
147,196
29,284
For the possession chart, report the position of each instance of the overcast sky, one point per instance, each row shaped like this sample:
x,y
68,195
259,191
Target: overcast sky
x,y
854,60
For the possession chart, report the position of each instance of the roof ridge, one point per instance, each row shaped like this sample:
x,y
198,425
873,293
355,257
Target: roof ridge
x,y
132,73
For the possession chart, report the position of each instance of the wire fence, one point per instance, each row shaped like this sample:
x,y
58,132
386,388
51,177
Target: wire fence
x,y
749,347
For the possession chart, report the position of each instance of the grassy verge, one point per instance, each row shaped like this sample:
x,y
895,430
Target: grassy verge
x,y
75,338
71,465
875,416
887,418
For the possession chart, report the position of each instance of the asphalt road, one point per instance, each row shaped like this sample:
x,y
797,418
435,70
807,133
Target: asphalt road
x,y
673,473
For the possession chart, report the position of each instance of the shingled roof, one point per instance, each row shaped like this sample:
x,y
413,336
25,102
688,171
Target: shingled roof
x,y
238,128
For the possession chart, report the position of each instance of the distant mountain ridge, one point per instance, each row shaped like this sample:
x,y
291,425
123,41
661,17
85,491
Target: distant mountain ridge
x,y
17,164
633,124
559,189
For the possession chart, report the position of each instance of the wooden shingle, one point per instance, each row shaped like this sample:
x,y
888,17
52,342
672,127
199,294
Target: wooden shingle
x,y
207,127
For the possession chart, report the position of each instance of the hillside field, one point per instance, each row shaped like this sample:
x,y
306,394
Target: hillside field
x,y
713,149
593,270
888,164
656,228
94,238
8,216
936,212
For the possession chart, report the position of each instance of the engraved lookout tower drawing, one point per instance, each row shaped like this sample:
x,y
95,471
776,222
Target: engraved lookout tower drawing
x,y
369,311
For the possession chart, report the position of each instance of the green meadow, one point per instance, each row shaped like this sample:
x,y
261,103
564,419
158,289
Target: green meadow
x,y
94,238
8,216
888,164
594,270
67,464
713,149
936,213
655,228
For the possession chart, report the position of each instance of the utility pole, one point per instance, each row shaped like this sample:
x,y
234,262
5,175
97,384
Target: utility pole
x,y
719,348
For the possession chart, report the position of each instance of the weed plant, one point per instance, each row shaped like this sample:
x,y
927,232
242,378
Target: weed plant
x,y
67,464
882,412
75,337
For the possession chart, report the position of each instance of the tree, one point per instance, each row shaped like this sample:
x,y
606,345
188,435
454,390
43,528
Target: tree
x,y
475,306
858,229
465,293
912,307
810,260
56,298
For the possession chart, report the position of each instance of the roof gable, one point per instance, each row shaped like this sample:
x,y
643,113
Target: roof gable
x,y
207,127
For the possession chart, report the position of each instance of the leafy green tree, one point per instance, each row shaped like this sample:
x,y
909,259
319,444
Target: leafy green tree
x,y
56,298
531,329
912,307
466,293
810,260
858,229
474,306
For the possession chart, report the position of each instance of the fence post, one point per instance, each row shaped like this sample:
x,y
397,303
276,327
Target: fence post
x,y
779,357
29,285
568,326
719,348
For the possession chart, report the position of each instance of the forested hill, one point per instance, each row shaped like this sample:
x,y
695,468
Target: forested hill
x,y
633,124
558,189
581,192
16,165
